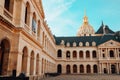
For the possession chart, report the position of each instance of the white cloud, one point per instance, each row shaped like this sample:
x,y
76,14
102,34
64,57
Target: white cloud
x,y
54,8
53,11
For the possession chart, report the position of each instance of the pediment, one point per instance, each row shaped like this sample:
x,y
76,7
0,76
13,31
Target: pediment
x,y
110,43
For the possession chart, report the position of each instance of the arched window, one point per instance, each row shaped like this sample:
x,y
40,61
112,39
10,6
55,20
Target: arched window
x,y
68,71
113,69
32,56
95,69
27,14
94,54
68,54
38,29
4,56
8,5
34,23
24,59
81,54
111,53
103,55
81,69
59,53
74,68
88,69
59,68
87,54
74,54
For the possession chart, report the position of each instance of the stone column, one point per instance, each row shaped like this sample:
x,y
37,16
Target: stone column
x,y
117,68
71,68
91,69
85,69
102,68
77,55
90,55
108,68
84,55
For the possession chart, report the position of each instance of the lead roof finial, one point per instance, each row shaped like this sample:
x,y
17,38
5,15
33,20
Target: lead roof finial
x,y
102,23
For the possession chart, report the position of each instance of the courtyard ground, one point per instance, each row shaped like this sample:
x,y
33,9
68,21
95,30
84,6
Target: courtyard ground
x,y
84,77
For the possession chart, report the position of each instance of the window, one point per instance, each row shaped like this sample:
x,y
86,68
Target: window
x,y
59,53
74,54
94,54
27,14
87,54
81,54
7,4
103,55
68,54
111,53
38,29
34,23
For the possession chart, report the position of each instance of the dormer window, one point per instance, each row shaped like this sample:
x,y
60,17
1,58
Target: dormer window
x,y
80,44
93,43
87,43
62,42
68,44
74,44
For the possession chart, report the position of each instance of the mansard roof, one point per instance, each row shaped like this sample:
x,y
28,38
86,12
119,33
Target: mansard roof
x,y
97,39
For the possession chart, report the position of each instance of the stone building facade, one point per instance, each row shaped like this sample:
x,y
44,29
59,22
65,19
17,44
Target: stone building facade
x,y
27,44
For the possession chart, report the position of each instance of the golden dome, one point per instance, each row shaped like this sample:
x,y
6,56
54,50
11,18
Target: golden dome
x,y
86,28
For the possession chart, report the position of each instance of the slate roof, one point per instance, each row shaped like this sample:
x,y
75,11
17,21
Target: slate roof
x,y
98,39
107,29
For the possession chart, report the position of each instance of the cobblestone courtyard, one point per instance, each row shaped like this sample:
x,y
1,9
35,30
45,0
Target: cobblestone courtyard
x,y
84,77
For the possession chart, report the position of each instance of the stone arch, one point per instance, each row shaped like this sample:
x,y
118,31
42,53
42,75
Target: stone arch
x,y
74,54
68,71
94,54
113,68
81,54
88,67
95,69
32,57
59,68
87,54
81,69
4,56
59,53
74,68
68,54
37,63
24,60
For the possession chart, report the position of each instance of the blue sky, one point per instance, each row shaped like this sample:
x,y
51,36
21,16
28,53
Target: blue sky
x,y
64,17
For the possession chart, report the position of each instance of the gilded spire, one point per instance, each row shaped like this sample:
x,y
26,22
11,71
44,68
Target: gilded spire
x,y
85,19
